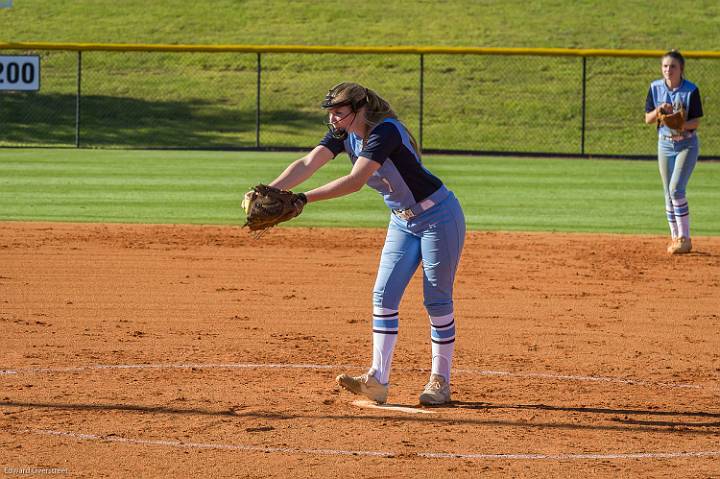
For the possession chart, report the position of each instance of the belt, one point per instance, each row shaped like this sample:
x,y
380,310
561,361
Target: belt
x,y
408,213
684,136
435,198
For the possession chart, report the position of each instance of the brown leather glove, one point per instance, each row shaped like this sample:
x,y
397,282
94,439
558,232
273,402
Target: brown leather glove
x,y
266,206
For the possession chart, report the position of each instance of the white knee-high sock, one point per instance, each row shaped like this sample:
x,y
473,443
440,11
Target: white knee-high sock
x,y
682,216
442,335
385,330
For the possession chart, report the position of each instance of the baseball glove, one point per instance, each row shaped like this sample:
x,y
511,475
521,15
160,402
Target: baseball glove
x,y
266,206
674,121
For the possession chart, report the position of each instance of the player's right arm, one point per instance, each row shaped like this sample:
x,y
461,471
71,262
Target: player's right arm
x,y
303,168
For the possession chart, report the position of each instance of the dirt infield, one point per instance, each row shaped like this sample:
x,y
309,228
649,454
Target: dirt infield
x,y
175,351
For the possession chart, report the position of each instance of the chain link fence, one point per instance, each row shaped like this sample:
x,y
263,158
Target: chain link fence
x,y
471,103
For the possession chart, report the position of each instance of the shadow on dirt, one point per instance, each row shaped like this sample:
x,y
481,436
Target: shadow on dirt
x,y
626,424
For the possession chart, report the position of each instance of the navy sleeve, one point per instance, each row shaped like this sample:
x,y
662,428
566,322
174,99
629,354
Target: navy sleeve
x,y
649,102
695,110
383,140
332,144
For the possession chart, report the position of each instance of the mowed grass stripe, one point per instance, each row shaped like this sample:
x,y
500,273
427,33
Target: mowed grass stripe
x,y
191,187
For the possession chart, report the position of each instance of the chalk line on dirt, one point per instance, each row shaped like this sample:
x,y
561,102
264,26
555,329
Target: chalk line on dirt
x,y
345,452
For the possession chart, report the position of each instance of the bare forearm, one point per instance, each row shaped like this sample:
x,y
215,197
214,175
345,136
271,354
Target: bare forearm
x,y
361,172
297,172
340,187
302,169
692,124
651,117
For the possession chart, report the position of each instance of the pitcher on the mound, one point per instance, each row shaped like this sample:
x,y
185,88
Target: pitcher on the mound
x,y
427,227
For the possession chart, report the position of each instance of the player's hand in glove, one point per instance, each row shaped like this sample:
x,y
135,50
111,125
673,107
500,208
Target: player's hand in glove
x,y
266,206
674,120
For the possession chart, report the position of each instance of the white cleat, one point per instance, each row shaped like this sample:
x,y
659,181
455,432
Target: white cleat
x,y
437,391
364,385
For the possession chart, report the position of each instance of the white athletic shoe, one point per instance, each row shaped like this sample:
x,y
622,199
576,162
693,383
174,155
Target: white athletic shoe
x,y
364,385
437,391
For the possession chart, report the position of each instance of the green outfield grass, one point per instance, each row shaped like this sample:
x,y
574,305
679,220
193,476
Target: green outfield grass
x,y
176,187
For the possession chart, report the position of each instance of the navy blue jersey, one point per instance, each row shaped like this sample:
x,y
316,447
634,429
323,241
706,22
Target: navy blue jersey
x,y
402,180
686,95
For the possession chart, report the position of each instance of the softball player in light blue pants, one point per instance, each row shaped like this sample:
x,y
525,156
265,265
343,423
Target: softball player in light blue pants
x,y
426,227
434,239
676,162
678,147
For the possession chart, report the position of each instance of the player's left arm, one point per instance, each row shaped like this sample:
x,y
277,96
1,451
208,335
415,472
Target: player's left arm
x,y
692,124
350,183
694,112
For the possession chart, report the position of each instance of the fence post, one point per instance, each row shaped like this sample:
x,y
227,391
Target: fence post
x,y
77,99
422,98
257,104
582,128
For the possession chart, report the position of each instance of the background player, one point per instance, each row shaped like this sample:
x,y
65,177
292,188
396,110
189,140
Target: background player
x,y
678,150
427,227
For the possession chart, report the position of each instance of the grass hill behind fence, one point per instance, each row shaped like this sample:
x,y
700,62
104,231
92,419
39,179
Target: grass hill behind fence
x,y
661,24
481,103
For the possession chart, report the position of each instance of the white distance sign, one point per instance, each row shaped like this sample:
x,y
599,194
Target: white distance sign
x,y
20,73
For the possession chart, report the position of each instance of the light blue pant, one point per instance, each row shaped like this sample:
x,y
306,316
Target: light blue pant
x,y
676,161
434,238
